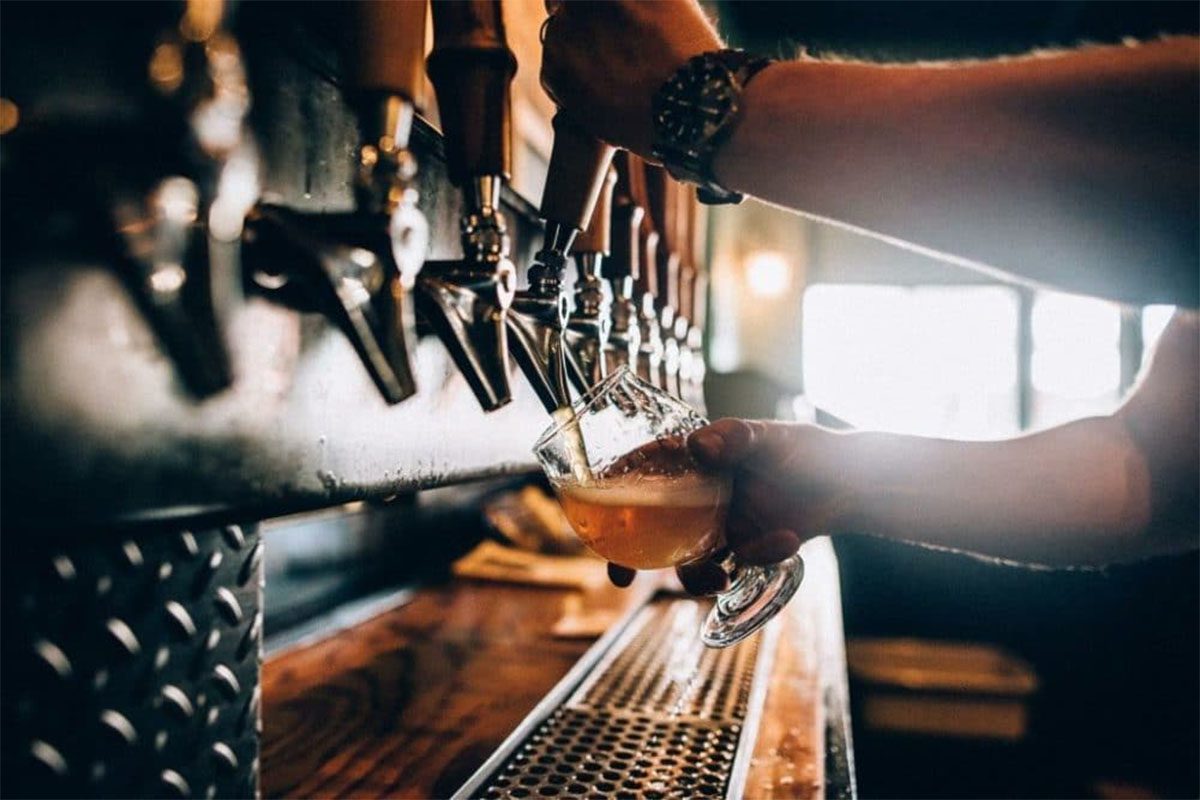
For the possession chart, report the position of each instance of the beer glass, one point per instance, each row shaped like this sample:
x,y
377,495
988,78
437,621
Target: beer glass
x,y
618,461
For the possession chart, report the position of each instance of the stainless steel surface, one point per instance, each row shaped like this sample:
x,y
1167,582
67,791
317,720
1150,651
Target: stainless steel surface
x,y
652,714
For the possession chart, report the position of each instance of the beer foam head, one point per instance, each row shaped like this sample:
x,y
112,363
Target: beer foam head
x,y
682,491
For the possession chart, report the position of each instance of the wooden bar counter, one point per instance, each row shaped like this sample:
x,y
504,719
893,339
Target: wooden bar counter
x,y
412,701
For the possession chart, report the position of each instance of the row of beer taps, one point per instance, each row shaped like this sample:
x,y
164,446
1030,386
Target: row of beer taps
x,y
635,235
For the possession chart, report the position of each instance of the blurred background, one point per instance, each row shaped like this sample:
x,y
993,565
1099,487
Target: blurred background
x,y
1082,683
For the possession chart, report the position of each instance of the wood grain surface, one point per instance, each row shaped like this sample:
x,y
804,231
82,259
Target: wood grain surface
x,y
410,703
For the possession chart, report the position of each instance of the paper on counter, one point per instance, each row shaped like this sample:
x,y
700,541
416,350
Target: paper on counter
x,y
495,562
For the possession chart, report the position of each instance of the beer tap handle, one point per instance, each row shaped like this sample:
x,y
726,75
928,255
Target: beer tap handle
x,y
576,176
699,301
623,262
466,302
590,322
472,68
387,60
687,283
698,232
685,217
597,236
389,48
662,195
646,281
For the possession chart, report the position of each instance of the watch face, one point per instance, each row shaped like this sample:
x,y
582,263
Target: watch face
x,y
695,103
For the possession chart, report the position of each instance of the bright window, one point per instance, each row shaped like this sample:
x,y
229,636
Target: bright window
x,y
930,360
1076,368
1154,322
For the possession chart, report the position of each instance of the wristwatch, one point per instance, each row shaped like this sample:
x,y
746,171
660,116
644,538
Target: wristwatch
x,y
694,114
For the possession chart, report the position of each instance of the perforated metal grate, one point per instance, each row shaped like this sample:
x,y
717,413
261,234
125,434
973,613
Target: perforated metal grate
x,y
661,667
658,716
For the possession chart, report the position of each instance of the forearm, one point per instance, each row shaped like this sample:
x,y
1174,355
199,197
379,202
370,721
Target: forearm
x,y
1077,494
1077,169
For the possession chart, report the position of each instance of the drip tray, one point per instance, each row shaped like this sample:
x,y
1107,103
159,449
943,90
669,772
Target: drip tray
x,y
648,712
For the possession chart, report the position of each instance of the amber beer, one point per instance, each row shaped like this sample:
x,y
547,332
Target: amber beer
x,y
649,523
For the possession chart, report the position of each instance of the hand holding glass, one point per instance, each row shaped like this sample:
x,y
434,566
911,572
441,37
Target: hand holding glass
x,y
619,463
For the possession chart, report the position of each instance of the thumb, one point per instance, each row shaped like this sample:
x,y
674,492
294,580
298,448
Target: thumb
x,y
726,442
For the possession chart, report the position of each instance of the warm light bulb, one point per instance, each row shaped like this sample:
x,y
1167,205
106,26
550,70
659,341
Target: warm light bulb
x,y
767,273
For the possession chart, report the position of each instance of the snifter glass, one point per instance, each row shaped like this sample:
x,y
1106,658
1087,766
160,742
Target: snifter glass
x,y
618,461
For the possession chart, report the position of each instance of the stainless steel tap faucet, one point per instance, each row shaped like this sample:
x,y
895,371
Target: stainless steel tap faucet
x,y
624,266
466,302
538,318
387,89
590,321
167,233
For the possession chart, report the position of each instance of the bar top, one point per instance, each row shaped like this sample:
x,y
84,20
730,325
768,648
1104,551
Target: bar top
x,y
411,702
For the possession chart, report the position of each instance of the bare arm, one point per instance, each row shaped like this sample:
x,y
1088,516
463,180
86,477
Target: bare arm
x,y
1094,491
1077,169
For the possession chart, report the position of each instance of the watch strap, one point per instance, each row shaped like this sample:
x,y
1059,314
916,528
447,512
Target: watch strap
x,y
695,113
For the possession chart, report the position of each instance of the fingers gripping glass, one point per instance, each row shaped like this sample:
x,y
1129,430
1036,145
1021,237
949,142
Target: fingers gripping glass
x,y
620,466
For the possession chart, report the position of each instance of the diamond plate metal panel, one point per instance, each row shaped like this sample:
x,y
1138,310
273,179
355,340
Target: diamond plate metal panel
x,y
131,665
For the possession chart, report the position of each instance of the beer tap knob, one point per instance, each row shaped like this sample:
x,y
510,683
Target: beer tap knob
x,y
590,322
574,181
621,270
466,302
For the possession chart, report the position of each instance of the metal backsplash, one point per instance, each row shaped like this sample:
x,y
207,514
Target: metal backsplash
x,y
96,426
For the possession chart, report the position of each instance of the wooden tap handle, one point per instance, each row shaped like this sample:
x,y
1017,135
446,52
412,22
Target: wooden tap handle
x,y
472,69
663,195
688,203
699,308
687,291
661,202
646,281
597,236
685,197
389,47
578,169
625,259
698,234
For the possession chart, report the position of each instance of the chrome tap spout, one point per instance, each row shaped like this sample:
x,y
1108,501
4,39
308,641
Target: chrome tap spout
x,y
467,302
